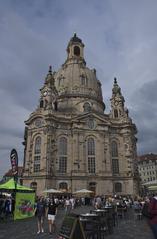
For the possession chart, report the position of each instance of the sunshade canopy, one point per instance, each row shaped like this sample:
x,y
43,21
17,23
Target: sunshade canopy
x,y
10,185
52,190
82,191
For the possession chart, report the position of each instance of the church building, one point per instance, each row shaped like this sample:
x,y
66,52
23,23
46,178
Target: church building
x,y
70,142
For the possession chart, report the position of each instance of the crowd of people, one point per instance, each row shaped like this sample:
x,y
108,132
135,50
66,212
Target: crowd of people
x,y
7,204
142,207
47,207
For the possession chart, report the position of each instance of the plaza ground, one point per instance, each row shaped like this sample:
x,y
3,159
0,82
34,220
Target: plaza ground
x,y
128,228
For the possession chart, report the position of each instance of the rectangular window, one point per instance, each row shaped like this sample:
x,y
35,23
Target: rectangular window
x,y
37,158
36,168
36,164
91,164
62,164
115,165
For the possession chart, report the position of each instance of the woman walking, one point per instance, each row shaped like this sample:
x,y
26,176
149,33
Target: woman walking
x,y
52,211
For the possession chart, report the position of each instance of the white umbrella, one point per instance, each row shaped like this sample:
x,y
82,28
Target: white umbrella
x,y
82,191
51,190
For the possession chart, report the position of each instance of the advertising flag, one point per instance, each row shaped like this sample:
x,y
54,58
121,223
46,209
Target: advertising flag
x,y
14,162
24,205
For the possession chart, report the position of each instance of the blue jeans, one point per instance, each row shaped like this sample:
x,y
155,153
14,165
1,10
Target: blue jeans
x,y
154,230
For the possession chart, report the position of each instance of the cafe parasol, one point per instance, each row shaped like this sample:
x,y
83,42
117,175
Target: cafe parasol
x,y
52,190
83,192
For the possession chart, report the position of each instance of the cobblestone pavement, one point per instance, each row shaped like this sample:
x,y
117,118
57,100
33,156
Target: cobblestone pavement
x,y
128,227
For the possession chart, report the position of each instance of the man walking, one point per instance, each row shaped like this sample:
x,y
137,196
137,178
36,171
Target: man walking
x,y
40,212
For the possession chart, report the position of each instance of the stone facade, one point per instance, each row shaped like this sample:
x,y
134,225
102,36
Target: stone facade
x,y
70,143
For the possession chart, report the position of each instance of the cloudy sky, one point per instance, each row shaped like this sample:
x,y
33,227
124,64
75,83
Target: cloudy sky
x,y
120,40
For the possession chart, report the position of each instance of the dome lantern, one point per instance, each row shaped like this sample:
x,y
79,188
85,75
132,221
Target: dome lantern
x,y
75,50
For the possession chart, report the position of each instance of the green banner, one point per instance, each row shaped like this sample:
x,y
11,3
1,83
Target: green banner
x,y
24,205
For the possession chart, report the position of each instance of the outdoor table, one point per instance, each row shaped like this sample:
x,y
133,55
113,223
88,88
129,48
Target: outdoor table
x,y
107,207
99,211
89,215
90,225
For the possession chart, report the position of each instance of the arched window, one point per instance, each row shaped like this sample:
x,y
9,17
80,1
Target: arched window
x,y
62,150
33,185
76,51
45,104
118,187
63,186
84,80
114,149
41,103
87,107
37,154
116,113
91,155
60,80
37,147
114,154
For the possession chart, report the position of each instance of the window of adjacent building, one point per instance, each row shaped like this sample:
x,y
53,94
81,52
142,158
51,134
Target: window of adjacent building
x,y
37,154
91,155
118,187
62,150
115,161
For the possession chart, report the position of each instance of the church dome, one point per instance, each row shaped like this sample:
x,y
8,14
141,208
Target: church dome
x,y
78,85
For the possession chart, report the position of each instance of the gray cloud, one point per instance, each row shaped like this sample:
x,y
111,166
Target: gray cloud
x,y
120,40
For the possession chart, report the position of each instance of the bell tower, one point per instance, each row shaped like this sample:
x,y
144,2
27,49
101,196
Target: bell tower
x,y
48,98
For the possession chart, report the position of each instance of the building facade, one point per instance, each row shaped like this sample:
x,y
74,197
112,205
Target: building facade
x,y
70,143
147,167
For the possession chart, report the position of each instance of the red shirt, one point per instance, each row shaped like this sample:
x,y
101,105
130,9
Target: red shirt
x,y
153,210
